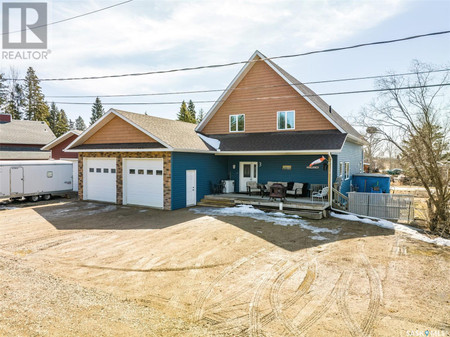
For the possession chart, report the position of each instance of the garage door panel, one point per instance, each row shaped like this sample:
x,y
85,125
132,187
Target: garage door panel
x,y
101,179
144,183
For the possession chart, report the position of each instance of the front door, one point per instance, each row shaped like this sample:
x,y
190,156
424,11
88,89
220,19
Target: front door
x,y
248,171
16,185
191,187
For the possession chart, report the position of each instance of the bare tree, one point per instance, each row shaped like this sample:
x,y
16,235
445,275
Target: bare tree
x,y
373,147
412,115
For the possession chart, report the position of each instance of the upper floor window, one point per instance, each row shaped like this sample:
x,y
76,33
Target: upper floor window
x,y
237,123
341,169
286,120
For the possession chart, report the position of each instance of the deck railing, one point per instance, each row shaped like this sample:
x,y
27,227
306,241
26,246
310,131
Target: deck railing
x,y
339,199
382,205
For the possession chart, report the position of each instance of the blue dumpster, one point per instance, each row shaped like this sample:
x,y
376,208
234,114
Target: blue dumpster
x,y
371,183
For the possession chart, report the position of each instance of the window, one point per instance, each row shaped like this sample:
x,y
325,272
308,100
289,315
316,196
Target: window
x,y
341,169
158,172
132,171
49,174
140,171
237,123
113,170
98,170
150,172
286,120
347,170
91,169
105,170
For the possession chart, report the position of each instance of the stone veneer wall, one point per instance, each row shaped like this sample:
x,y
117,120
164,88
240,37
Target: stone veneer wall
x,y
167,174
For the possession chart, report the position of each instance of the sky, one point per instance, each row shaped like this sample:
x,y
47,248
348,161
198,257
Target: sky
x,y
157,35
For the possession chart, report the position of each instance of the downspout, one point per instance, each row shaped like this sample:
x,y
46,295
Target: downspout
x,y
330,179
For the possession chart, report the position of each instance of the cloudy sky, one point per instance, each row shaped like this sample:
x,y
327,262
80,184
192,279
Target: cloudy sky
x,y
157,35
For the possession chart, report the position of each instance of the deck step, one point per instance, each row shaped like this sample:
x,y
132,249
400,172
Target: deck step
x,y
216,202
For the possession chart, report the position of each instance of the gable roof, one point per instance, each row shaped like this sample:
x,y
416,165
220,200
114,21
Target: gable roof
x,y
170,134
25,132
60,139
310,96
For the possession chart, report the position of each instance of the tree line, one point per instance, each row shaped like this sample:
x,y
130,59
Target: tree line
x,y
26,101
188,113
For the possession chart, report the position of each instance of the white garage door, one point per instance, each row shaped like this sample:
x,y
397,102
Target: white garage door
x,y
100,179
143,182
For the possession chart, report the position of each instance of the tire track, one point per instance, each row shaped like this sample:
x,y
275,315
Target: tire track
x,y
323,307
200,303
254,314
341,295
376,294
302,289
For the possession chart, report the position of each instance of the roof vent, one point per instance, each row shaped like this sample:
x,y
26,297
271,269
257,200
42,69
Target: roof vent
x,y
5,118
329,109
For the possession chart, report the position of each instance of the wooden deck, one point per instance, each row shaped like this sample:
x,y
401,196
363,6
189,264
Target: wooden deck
x,y
256,200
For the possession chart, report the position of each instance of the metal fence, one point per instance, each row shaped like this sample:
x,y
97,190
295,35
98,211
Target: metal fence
x,y
399,207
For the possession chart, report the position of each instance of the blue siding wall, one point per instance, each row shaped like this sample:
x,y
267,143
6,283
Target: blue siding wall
x,y
354,154
271,169
210,168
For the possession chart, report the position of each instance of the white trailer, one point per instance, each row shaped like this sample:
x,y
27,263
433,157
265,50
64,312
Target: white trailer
x,y
35,178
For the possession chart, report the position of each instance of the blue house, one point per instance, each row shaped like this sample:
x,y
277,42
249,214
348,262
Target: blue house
x,y
265,127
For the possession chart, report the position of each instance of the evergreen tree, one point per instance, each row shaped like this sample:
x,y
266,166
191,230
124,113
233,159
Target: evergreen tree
x,y
53,117
200,116
3,93
36,108
97,110
183,114
15,100
191,112
79,124
62,124
71,125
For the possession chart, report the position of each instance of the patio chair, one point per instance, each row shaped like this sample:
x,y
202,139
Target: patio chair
x,y
216,188
320,194
253,187
297,190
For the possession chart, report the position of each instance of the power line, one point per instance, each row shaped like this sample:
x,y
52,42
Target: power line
x,y
245,62
264,98
73,17
247,88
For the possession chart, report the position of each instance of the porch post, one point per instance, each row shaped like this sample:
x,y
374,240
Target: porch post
x,y
330,179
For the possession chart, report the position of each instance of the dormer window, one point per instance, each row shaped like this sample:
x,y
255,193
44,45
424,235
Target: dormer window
x,y
237,123
286,120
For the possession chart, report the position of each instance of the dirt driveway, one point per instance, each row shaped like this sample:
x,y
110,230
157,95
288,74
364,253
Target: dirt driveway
x,y
88,269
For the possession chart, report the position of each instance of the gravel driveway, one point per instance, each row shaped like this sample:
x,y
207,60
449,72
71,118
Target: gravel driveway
x,y
72,268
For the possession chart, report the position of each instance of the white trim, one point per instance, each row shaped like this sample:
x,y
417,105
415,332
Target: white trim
x,y
285,120
237,80
253,153
217,104
341,169
93,128
237,123
121,150
143,130
346,173
59,140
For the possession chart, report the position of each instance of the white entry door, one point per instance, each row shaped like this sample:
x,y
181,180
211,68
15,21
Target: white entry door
x,y
143,182
100,179
16,185
248,171
191,187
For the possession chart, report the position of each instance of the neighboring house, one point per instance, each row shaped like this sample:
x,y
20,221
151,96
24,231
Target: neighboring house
x,y
266,126
57,147
22,140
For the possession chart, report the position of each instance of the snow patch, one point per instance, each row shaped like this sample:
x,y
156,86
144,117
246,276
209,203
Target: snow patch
x,y
215,143
277,218
394,226
318,237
